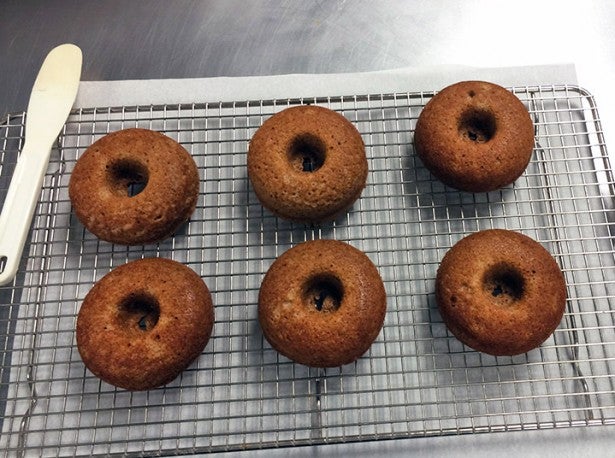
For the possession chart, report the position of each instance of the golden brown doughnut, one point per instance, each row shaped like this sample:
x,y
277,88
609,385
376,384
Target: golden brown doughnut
x,y
307,164
322,303
100,182
475,136
500,292
144,322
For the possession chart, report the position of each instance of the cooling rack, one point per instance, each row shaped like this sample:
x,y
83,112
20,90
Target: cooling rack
x,y
416,380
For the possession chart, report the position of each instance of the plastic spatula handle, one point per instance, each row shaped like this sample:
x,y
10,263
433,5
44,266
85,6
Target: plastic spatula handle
x,y
52,97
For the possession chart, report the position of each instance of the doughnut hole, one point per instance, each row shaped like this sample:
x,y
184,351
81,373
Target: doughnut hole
x,y
477,125
504,283
127,177
307,153
138,312
323,292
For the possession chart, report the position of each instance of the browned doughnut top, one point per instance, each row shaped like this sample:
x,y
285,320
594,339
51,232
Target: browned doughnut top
x,y
475,136
322,303
307,164
500,292
100,182
144,322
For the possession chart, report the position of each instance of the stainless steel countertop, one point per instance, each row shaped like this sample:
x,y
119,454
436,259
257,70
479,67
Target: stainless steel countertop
x,y
175,39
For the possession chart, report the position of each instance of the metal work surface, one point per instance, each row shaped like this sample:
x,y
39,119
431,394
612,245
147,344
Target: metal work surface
x,y
416,380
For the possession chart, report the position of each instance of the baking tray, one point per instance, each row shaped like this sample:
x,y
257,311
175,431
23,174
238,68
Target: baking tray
x,y
416,380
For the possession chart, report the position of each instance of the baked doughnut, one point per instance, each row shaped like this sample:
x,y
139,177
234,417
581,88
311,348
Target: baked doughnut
x,y
144,322
322,303
475,136
101,182
307,164
500,292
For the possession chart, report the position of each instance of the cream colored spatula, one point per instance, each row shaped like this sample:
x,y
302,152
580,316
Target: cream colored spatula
x,y
52,97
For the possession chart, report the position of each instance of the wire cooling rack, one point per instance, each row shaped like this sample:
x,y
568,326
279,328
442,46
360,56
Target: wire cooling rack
x,y
416,380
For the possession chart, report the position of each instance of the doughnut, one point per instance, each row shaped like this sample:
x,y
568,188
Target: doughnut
x,y
307,164
322,303
500,292
475,136
143,323
134,186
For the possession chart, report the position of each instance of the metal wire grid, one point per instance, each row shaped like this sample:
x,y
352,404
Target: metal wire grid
x,y
416,380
